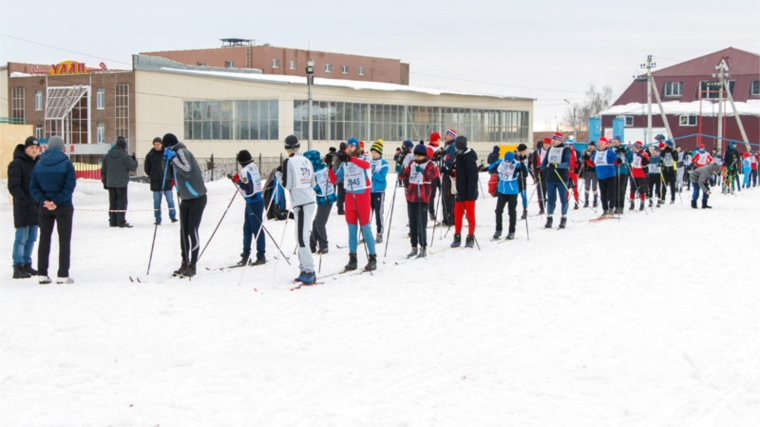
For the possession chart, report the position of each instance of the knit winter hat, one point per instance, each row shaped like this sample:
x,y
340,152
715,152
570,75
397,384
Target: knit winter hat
x,y
56,143
420,150
157,139
638,144
377,146
435,139
669,143
461,143
547,141
522,147
169,140
509,157
292,143
655,147
603,140
701,146
659,137
746,154
592,144
452,133
244,157
408,144
618,137
352,141
558,136
31,141
121,143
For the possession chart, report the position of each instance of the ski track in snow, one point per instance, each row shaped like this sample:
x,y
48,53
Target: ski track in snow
x,y
653,320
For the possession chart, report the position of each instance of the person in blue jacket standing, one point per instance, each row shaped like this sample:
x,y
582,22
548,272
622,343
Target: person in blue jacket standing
x,y
52,186
379,171
326,196
556,163
605,163
248,181
512,175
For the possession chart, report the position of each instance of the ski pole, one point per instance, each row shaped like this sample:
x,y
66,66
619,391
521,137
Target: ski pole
x,y
218,224
390,218
155,226
435,219
566,189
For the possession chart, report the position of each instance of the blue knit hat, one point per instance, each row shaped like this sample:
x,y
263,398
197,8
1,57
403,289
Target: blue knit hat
x,y
420,150
408,144
353,141
669,142
509,157
618,137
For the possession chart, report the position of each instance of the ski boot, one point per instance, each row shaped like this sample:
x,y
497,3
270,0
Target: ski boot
x,y
562,222
524,214
596,202
28,268
705,205
259,261
379,238
548,222
497,235
651,204
470,241
659,203
576,207
352,263
457,241
309,279
180,270
672,202
511,235
585,204
694,204
632,206
243,260
189,271
45,280
413,253
423,253
372,264
641,206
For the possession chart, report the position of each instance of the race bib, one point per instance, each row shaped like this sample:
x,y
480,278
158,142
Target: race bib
x,y
323,182
636,162
600,159
252,171
555,155
303,172
507,171
668,160
354,177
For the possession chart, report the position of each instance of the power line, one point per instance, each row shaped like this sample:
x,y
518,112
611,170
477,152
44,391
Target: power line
x,y
62,49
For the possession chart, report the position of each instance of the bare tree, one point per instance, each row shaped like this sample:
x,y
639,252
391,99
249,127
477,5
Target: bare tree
x,y
577,115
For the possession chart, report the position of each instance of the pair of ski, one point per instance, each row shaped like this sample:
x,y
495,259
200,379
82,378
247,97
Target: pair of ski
x,y
334,276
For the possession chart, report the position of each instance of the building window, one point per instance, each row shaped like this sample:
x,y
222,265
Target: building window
x,y
239,120
101,133
628,121
344,69
328,68
100,98
122,111
711,90
361,71
38,132
292,64
79,123
18,106
687,120
38,100
201,64
275,63
338,121
229,64
755,88
673,88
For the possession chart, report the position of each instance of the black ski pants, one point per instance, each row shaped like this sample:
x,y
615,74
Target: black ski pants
x,y
63,217
418,223
509,200
117,201
190,215
607,192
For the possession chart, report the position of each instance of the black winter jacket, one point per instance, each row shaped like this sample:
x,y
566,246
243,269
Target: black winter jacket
x,y
494,157
116,167
25,208
466,169
154,169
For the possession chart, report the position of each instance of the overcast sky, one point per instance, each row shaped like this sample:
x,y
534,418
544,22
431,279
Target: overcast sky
x,y
548,50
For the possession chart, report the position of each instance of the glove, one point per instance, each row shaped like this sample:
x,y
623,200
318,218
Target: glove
x,y
329,159
134,158
235,178
618,162
169,154
554,166
344,157
418,168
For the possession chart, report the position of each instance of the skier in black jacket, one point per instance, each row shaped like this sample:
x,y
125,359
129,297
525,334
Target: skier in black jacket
x,y
465,174
25,209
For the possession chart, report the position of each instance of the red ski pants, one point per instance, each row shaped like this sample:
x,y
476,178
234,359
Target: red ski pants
x,y
460,209
362,204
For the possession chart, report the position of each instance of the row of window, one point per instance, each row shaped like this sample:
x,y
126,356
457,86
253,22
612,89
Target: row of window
x,y
683,120
100,99
708,89
232,120
292,65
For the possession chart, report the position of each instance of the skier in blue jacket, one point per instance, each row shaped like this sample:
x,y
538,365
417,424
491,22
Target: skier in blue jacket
x,y
512,177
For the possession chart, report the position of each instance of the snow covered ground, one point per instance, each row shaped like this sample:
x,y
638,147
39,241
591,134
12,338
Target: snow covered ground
x,y
653,320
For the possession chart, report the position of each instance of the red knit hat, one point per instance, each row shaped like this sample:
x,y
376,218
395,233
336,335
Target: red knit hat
x,y
558,136
435,138
452,133
662,146
603,140
361,145
746,154
638,144
547,140
701,146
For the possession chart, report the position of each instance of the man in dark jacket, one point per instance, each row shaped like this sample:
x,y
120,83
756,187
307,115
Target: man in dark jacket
x,y
52,186
465,175
732,164
25,208
493,157
161,183
115,176
555,164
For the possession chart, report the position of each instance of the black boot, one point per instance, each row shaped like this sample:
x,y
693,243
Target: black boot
x,y
641,206
511,235
470,241
525,214
372,264
28,268
189,271
413,253
704,204
562,222
497,234
20,273
694,204
181,269
243,259
457,241
585,204
352,264
596,201
423,253
259,261
548,222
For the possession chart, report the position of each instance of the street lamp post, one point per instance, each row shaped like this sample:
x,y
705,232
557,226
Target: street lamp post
x,y
575,133
310,83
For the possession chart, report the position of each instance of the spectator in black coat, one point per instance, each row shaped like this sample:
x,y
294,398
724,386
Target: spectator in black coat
x,y
115,176
161,182
25,209
465,173
494,157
